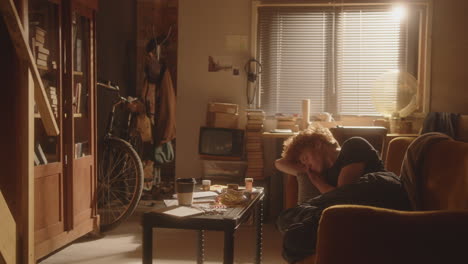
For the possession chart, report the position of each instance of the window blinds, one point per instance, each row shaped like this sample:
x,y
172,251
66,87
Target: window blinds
x,y
330,56
293,49
368,46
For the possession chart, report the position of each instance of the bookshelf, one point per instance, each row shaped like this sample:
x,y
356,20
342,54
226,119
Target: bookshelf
x,y
62,39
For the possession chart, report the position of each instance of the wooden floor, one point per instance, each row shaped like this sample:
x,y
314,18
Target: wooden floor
x,y
123,245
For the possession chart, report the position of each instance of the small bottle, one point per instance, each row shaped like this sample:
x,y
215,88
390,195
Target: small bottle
x,y
206,185
248,184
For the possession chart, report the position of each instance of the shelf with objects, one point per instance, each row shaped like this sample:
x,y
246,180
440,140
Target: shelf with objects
x,y
62,40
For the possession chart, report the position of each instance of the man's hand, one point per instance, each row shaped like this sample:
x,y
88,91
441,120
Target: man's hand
x,y
318,180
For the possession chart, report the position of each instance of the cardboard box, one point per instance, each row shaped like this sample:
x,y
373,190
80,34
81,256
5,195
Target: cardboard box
x,y
223,108
223,120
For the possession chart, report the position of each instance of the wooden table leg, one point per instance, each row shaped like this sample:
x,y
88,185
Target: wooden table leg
x,y
228,246
147,244
201,247
259,227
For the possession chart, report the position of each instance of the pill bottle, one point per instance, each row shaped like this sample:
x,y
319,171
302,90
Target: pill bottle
x,y
248,184
206,185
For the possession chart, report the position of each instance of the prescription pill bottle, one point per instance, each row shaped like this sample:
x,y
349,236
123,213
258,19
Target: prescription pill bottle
x,y
206,185
248,184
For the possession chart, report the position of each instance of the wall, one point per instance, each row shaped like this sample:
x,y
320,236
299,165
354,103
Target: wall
x,y
203,27
449,77
116,33
154,19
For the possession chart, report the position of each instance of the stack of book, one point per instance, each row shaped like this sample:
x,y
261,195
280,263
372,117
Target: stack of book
x,y
287,122
40,52
223,115
254,146
52,92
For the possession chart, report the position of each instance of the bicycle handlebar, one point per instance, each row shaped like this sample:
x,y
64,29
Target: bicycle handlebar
x,y
115,88
108,86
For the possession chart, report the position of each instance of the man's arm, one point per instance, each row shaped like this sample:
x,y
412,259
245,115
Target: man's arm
x,y
289,167
348,175
318,181
351,173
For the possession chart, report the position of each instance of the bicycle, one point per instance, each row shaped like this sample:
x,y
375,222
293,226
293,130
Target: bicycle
x,y
120,172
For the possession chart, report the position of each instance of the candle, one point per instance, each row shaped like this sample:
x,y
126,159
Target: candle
x,y
305,113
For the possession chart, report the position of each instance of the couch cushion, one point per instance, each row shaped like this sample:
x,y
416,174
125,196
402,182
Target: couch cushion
x,y
396,153
445,176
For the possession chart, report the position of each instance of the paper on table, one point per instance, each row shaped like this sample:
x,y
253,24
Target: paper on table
x,y
200,194
280,130
171,203
182,211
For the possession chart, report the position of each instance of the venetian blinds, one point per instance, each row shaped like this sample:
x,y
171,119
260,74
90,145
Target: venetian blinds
x,y
330,56
293,49
370,43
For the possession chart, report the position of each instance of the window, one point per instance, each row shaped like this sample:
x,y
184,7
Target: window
x,y
333,56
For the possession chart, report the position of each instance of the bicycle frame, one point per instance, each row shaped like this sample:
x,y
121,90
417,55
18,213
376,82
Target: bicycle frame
x,y
122,100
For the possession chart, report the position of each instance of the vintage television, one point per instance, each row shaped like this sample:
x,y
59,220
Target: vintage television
x,y
221,143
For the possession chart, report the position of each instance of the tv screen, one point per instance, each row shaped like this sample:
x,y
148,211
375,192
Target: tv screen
x,y
221,142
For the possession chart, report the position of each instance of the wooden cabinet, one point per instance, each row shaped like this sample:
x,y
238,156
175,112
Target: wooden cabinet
x,y
62,35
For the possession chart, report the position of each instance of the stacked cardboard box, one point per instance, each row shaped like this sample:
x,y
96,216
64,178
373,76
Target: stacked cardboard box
x,y
254,146
287,122
223,115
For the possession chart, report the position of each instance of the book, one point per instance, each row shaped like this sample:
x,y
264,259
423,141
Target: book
x,y
286,123
255,165
255,121
78,55
286,117
33,50
250,110
40,67
254,154
255,117
39,31
255,113
42,56
182,211
43,50
278,130
254,140
36,159
255,147
78,150
40,154
41,62
40,39
77,99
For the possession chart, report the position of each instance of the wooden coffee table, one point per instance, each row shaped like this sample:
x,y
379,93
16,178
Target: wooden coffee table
x,y
227,222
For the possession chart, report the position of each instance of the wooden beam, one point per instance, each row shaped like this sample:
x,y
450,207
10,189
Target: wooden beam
x,y
8,231
13,23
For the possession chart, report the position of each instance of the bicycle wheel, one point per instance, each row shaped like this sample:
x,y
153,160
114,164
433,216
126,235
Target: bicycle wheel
x,y
120,182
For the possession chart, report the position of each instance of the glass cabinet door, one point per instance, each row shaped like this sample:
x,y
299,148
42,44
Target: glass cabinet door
x,y
81,85
44,37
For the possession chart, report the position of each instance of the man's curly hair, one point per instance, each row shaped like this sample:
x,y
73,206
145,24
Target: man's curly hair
x,y
310,138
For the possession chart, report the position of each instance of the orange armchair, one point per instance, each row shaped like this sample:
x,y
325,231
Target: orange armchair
x,y
368,235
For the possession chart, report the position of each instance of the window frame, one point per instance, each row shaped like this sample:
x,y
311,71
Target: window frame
x,y
424,49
